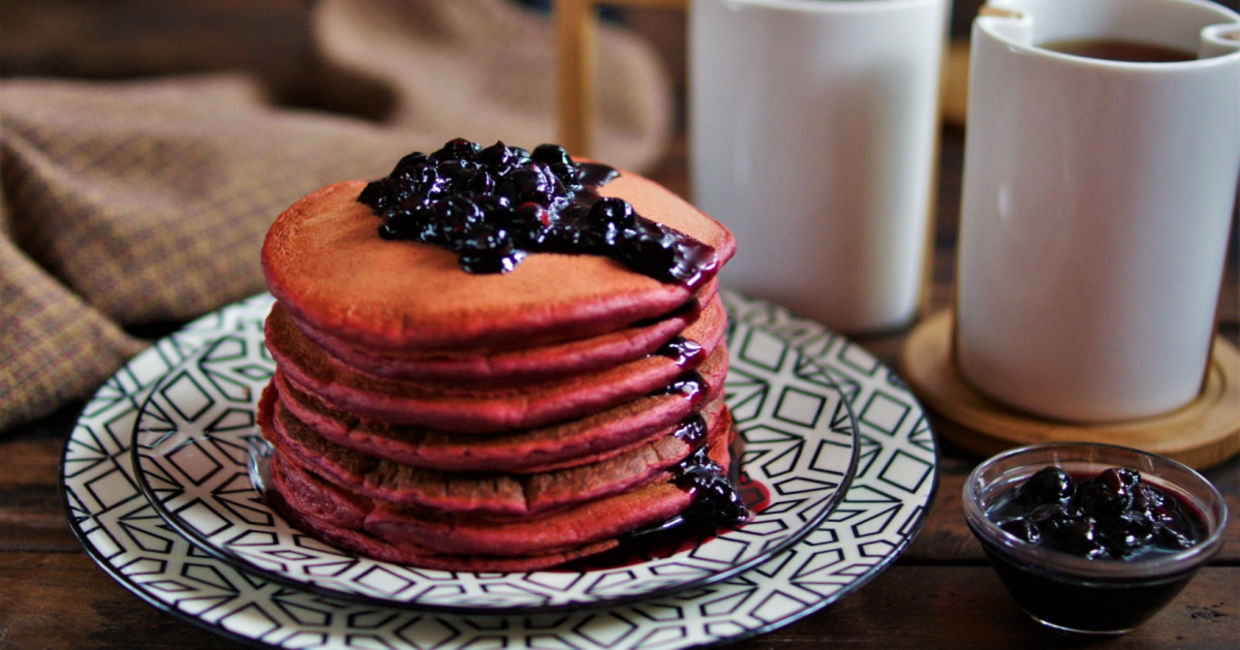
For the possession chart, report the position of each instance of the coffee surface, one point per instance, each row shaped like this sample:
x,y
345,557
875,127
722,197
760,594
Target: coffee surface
x,y
1119,50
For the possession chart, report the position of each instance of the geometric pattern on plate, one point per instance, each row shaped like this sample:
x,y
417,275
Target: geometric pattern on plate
x,y
881,511
197,453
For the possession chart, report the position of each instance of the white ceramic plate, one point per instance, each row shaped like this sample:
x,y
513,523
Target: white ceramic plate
x,y
880,512
197,454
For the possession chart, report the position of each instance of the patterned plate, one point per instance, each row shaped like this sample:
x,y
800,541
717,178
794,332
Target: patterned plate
x,y
880,512
196,452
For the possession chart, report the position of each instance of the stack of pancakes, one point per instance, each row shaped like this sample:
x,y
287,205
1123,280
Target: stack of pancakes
x,y
424,415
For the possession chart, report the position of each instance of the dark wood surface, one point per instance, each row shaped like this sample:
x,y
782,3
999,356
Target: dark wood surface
x,y
940,592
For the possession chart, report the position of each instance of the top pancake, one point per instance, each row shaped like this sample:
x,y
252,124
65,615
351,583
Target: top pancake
x,y
323,258
538,363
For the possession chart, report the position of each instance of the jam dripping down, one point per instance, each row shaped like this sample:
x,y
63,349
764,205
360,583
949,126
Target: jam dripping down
x,y
691,430
682,532
716,501
492,206
690,385
682,351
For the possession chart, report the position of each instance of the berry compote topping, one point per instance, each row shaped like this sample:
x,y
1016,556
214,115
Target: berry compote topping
x,y
715,499
692,430
682,351
691,385
494,205
1114,515
681,532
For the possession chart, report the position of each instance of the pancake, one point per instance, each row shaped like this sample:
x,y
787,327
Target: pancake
x,y
494,359
493,366
307,496
557,446
315,498
323,261
469,409
493,494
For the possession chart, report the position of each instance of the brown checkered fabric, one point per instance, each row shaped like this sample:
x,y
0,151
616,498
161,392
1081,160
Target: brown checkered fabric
x,y
146,201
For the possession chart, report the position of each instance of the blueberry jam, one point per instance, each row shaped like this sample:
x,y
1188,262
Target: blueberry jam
x,y
1114,515
682,532
492,206
691,431
716,501
690,385
682,351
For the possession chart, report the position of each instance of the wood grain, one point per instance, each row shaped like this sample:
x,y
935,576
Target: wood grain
x,y
1201,434
939,593
908,606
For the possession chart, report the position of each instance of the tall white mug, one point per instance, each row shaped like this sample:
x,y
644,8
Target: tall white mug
x,y
813,127
1096,205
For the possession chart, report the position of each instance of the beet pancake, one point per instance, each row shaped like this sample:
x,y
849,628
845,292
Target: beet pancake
x,y
319,509
492,494
325,508
494,359
493,366
480,410
558,446
324,260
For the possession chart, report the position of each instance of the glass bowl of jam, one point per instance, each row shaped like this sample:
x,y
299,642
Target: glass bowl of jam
x,y
1092,539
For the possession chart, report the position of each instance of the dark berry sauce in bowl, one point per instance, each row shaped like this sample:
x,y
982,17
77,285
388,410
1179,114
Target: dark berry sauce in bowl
x,y
1092,539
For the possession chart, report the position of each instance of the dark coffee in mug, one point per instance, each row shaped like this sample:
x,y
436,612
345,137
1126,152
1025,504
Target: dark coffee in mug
x,y
1119,50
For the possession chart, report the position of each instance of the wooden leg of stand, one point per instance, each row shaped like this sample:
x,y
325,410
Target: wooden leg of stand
x,y
575,39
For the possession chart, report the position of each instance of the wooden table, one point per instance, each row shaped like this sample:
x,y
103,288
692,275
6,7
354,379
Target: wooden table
x,y
939,593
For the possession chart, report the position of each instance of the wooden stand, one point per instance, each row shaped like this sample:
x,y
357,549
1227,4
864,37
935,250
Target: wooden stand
x,y
575,26
1203,433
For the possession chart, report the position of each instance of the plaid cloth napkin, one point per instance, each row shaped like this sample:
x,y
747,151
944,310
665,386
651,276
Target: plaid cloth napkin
x,y
146,201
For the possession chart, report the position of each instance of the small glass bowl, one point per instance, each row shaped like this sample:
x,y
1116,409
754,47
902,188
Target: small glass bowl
x,y
1071,594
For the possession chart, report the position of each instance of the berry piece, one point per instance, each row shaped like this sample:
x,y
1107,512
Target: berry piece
x,y
375,195
530,183
455,218
1048,485
401,223
1125,534
612,211
489,250
474,182
715,498
1109,493
410,162
551,155
649,253
458,149
497,158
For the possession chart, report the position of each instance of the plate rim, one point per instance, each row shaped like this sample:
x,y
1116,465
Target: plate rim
x,y
239,562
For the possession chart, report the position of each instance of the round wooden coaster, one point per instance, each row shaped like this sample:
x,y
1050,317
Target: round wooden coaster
x,y
1203,433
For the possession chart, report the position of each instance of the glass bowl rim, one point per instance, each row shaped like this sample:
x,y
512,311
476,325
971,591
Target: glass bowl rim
x,y
1204,495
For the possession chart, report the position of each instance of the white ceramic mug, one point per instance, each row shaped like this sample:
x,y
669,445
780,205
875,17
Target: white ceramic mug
x,y
813,127
1096,205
